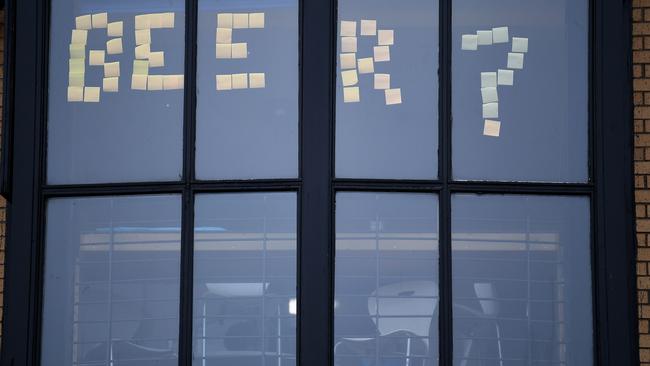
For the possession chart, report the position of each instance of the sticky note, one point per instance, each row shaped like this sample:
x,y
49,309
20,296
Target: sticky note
x,y
506,77
257,80
75,94
224,20
111,85
381,53
142,51
488,79
224,35
79,36
500,35
366,65
385,37
142,21
256,20
114,46
139,82
348,28
469,42
491,110
240,21
351,94
368,27
111,69
519,44
224,82
382,81
173,82
167,20
239,81
484,37
491,128
140,67
348,61
76,79
83,22
155,22
489,94
115,29
393,96
224,51
96,58
91,94
77,65
155,82
142,36
349,44
349,77
157,59
515,60
100,20
239,50
77,51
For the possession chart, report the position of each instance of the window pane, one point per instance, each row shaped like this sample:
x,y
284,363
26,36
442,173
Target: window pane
x,y
245,279
386,297
108,121
111,291
387,89
538,107
247,90
521,280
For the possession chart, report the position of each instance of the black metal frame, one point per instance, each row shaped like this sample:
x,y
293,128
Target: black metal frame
x,y
611,187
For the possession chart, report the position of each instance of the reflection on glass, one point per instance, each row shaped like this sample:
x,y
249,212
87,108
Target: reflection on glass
x,y
245,279
114,118
386,298
521,280
111,290
247,90
387,89
524,118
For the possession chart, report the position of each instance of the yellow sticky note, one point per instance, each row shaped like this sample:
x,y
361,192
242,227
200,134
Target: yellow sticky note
x,y
257,80
256,20
155,21
155,82
83,22
239,81
91,94
349,77
139,82
96,58
79,36
382,81
381,53
224,82
368,27
348,28
142,21
167,20
76,79
351,94
224,20
77,65
142,36
239,50
224,51
173,82
75,94
111,85
142,51
348,44
77,51
157,59
366,65
385,37
140,67
393,96
114,46
224,35
491,128
111,69
115,29
240,21
348,61
100,20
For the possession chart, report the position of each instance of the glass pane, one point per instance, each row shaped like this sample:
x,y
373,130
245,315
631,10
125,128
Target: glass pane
x,y
520,104
387,89
111,293
245,279
386,279
521,280
247,90
108,121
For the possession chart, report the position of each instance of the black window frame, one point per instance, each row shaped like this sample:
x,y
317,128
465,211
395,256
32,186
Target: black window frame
x,y
610,189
